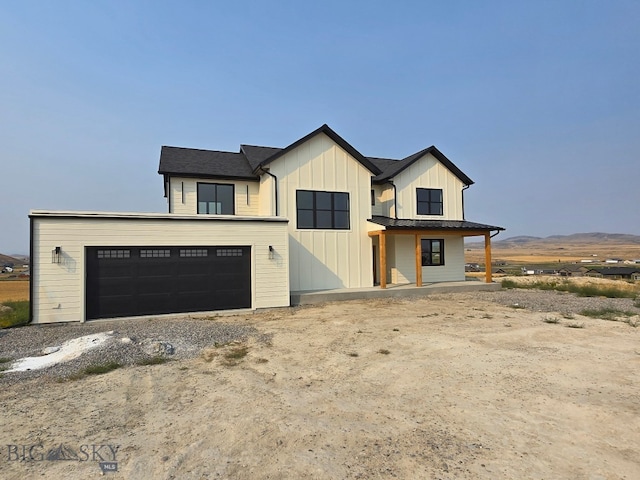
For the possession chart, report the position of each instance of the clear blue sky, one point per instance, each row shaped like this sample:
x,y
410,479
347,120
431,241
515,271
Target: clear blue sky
x,y
537,101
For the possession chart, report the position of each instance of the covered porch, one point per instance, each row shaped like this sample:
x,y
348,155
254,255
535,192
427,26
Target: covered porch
x,y
383,228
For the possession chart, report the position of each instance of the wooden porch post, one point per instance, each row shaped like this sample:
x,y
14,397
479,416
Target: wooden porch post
x,y
418,261
487,257
383,259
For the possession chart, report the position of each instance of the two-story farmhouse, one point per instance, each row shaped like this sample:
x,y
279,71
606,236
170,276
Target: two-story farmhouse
x,y
245,229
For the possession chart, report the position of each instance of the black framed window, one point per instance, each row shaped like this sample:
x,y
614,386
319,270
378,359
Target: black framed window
x,y
429,201
216,198
373,198
432,252
322,210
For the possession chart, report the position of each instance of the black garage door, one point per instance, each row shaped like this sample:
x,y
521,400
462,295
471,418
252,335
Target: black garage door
x,y
130,281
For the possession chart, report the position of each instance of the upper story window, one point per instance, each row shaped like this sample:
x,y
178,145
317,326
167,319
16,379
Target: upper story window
x,y
432,252
429,201
216,199
322,210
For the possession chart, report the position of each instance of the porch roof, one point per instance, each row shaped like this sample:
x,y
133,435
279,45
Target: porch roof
x,y
412,224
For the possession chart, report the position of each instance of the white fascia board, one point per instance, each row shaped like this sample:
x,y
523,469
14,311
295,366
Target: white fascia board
x,y
150,216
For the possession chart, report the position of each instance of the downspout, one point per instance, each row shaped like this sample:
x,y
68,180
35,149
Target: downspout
x,y
395,199
497,232
463,189
31,270
167,191
275,179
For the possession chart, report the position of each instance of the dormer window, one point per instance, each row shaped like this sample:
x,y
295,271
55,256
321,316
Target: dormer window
x,y
216,199
429,201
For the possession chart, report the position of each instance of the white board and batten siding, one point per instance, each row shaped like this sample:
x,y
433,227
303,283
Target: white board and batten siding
x,y
384,201
183,194
404,260
59,288
428,172
326,259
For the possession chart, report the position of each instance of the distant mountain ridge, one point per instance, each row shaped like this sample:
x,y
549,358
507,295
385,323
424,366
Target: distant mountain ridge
x,y
586,238
9,259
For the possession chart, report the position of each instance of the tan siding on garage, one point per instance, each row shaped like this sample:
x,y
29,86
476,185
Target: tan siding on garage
x,y
59,290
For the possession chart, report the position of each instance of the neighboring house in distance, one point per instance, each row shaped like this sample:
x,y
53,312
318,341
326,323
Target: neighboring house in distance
x,y
615,273
573,270
245,229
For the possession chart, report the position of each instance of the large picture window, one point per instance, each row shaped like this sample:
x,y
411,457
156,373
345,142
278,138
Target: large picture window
x,y
215,199
432,252
322,210
429,201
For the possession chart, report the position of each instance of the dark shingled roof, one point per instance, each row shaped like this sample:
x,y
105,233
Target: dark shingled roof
x,y
256,155
190,162
616,270
400,224
391,168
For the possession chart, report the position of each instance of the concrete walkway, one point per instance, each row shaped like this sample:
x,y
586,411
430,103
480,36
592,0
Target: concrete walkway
x,y
405,290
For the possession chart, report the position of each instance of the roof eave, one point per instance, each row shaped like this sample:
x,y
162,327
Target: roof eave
x,y
210,176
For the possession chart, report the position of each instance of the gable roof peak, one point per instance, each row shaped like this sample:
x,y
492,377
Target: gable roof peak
x,y
394,168
364,161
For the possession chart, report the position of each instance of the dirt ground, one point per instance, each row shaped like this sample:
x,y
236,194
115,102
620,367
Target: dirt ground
x,y
444,387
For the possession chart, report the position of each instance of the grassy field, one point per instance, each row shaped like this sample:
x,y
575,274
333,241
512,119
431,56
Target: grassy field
x,y
548,253
14,290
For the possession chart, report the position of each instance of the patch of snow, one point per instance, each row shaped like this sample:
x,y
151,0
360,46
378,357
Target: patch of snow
x,y
68,351
49,350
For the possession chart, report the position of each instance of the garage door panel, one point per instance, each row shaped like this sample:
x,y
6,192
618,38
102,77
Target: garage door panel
x,y
194,302
115,306
154,303
116,269
147,281
194,284
115,287
152,268
193,266
154,285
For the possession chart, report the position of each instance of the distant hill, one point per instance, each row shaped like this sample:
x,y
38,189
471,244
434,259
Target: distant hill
x,y
596,237
8,259
584,238
521,239
593,238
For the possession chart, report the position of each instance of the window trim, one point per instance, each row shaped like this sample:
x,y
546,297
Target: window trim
x,y
429,204
429,256
314,209
233,197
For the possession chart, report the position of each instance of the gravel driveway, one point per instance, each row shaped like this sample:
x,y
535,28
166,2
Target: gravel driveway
x,y
181,338
174,338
